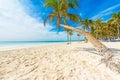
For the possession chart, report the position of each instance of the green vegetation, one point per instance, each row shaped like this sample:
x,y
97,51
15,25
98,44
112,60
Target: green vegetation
x,y
104,30
96,29
60,13
100,30
78,34
70,33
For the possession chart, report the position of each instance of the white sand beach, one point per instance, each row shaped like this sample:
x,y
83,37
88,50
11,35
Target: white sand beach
x,y
78,61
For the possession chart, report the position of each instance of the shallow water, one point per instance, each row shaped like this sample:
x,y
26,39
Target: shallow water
x,y
6,45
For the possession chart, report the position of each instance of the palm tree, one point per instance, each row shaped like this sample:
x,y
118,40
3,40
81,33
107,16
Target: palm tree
x,y
110,30
92,26
67,30
116,21
101,31
61,12
78,34
85,25
105,30
112,61
70,33
97,25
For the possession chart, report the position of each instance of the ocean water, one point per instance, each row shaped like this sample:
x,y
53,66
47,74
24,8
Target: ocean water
x,y
22,43
8,44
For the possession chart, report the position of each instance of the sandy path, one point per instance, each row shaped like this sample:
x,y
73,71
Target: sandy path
x,y
77,61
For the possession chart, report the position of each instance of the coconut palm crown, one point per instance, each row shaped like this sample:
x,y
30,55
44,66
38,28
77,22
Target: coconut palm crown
x,y
60,11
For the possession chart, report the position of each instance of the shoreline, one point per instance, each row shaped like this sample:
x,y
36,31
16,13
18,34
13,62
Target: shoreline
x,y
6,48
13,47
77,61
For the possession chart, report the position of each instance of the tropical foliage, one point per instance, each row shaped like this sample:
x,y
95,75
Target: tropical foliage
x,y
78,34
95,28
60,13
100,30
70,33
104,30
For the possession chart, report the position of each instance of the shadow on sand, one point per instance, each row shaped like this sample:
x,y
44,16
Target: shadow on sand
x,y
92,50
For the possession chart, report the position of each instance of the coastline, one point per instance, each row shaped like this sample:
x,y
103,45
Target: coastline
x,y
13,47
77,61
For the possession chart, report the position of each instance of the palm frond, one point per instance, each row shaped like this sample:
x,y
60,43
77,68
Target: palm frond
x,y
50,16
73,17
73,4
52,3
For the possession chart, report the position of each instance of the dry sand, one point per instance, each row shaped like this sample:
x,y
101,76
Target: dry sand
x,y
78,61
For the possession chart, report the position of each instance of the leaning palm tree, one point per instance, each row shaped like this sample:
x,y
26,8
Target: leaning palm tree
x,y
111,60
61,12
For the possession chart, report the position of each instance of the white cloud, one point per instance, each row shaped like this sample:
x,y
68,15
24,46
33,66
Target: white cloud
x,y
15,24
105,12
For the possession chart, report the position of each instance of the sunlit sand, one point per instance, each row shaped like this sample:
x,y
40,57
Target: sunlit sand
x,y
77,61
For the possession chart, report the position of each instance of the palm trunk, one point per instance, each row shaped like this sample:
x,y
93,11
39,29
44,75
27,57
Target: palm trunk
x,y
118,32
70,39
86,40
67,37
109,59
98,45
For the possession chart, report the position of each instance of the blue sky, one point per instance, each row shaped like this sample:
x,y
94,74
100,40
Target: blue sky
x,y
22,20
92,9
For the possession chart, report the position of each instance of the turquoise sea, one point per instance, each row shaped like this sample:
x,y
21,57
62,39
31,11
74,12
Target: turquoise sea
x,y
27,43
